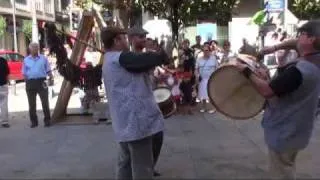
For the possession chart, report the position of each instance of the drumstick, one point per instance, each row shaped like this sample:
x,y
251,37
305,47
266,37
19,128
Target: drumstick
x,y
167,70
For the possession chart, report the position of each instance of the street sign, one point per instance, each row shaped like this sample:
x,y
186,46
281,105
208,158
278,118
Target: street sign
x,y
275,5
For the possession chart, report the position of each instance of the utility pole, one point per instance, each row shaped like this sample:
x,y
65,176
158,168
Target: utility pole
x,y
13,2
70,14
35,33
285,13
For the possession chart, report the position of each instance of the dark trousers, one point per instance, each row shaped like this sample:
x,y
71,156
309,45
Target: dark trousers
x,y
34,87
157,141
135,160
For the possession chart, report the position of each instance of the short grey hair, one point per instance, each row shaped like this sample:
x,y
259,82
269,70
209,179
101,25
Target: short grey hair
x,y
33,45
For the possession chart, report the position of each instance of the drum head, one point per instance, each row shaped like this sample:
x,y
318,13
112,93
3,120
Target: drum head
x,y
233,95
161,94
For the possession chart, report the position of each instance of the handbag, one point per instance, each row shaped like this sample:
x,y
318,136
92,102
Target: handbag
x,y
51,82
200,78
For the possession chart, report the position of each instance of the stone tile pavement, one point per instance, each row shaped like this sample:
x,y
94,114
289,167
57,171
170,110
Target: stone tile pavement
x,y
198,146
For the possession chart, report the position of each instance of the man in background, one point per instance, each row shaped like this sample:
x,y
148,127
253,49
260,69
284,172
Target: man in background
x,y
197,47
4,73
35,69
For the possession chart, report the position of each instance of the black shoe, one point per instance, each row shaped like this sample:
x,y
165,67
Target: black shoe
x,y
5,125
155,173
47,124
103,119
33,125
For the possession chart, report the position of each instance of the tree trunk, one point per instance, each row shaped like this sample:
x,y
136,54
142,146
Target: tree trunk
x,y
175,33
123,16
85,29
175,25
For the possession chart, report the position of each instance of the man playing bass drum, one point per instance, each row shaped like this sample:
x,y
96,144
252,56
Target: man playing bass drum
x,y
292,98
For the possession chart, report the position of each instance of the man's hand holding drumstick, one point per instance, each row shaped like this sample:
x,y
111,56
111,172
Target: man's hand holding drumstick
x,y
258,78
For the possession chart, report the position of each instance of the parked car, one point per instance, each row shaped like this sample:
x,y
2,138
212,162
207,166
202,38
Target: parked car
x,y
15,61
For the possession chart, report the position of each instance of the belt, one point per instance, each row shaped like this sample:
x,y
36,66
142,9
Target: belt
x,y
37,79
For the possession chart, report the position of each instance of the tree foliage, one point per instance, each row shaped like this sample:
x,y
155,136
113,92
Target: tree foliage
x,y
27,28
185,12
305,9
3,25
128,9
84,4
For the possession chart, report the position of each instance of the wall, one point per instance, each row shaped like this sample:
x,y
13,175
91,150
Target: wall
x,y
239,29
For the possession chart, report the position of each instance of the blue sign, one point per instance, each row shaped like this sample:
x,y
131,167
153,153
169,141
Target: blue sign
x,y
274,5
207,31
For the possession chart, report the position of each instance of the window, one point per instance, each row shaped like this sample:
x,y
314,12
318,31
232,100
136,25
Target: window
x,y
48,6
15,57
22,4
4,56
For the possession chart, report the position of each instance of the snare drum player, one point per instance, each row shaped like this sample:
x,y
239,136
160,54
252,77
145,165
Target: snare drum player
x,y
292,98
135,114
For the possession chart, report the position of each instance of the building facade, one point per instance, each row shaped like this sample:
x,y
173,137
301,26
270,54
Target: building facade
x,y
45,10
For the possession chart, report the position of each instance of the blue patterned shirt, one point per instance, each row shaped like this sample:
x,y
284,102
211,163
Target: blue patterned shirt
x,y
134,111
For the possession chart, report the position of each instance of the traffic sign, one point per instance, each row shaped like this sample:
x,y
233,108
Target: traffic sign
x,y
274,5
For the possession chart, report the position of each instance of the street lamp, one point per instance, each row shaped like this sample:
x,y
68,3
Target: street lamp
x,y
13,2
35,34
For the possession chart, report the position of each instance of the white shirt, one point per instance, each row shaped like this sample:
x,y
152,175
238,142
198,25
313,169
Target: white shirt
x,y
206,66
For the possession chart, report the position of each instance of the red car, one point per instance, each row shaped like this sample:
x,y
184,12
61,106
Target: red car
x,y
15,61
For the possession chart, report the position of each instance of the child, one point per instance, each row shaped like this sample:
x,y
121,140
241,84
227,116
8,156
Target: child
x,y
186,90
175,91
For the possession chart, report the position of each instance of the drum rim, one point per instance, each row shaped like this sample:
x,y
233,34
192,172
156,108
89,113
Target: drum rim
x,y
161,87
215,105
164,87
174,109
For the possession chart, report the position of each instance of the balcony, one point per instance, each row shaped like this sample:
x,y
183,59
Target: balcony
x,y
44,9
61,11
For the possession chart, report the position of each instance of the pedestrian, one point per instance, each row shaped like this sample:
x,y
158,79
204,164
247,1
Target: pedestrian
x,y
197,47
91,97
186,89
205,66
136,117
4,73
292,99
226,54
35,69
189,63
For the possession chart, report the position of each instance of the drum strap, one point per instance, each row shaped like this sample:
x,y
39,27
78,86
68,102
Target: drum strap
x,y
204,66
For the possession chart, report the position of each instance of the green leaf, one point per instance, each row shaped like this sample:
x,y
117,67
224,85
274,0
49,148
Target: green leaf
x,y
27,28
3,25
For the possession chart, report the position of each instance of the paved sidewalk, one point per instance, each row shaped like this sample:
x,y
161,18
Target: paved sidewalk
x,y
199,146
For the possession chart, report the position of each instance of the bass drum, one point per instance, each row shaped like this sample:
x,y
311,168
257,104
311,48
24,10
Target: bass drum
x,y
165,101
232,94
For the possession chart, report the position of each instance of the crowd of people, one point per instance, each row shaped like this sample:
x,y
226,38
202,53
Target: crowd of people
x,y
291,95
189,74
131,75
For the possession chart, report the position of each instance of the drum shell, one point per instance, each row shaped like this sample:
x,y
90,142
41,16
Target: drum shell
x,y
234,95
167,107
